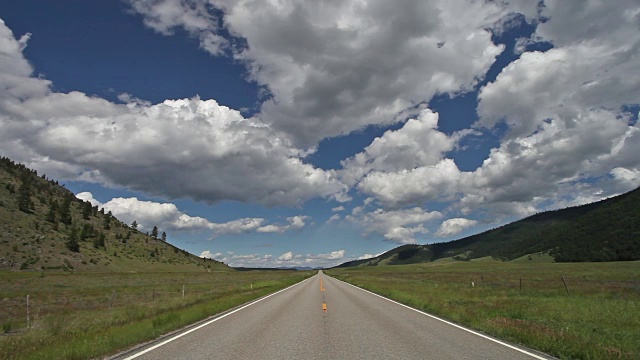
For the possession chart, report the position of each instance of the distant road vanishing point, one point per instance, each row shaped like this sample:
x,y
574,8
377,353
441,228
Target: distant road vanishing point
x,y
324,318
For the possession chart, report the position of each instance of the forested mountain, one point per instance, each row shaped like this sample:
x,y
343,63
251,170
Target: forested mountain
x,y
607,230
43,226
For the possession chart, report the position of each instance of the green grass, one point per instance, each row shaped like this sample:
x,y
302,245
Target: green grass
x,y
598,319
79,316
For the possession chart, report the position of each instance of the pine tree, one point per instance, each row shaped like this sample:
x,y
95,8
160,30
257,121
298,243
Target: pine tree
x,y
99,241
87,231
164,236
24,193
86,210
106,221
65,211
154,232
134,225
53,208
72,241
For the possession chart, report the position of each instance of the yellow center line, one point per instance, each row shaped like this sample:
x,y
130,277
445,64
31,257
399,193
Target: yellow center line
x,y
324,304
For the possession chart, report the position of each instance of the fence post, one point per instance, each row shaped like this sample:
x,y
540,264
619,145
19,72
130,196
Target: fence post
x,y
482,279
565,285
520,284
183,291
28,319
113,294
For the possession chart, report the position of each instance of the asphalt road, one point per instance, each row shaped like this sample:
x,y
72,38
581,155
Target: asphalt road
x,y
293,324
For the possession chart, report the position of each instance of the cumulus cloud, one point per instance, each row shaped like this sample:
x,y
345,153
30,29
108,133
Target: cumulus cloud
x,y
237,226
195,17
329,68
209,255
454,226
338,208
167,216
334,67
567,118
295,222
178,148
288,259
399,226
333,218
334,255
572,123
285,257
368,256
315,260
415,186
243,260
417,144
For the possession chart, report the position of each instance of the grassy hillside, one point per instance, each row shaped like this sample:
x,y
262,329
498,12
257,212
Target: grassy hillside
x,y
608,230
44,227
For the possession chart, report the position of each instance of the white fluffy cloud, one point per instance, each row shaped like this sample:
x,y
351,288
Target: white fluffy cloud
x,y
334,67
168,217
454,226
399,226
237,226
179,148
333,218
288,259
285,257
567,121
195,17
408,165
368,256
417,144
240,260
329,68
565,108
209,255
314,260
415,186
295,222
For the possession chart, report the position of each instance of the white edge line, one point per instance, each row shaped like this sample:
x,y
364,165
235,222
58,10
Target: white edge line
x,y
448,322
210,322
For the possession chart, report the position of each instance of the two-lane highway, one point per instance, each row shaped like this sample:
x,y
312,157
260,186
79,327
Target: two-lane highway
x,y
324,318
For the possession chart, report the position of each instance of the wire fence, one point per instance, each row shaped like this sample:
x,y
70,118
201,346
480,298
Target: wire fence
x,y
544,284
19,313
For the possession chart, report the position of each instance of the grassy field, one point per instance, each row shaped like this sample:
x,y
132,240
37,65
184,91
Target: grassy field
x,y
88,315
596,316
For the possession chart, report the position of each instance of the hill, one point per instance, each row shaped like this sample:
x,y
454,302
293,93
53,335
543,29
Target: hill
x,y
607,230
43,226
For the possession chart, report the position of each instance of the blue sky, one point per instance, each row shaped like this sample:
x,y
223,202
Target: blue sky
x,y
309,134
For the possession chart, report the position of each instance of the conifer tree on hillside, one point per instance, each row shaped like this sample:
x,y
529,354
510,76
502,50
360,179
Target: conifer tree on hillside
x,y
53,209
64,212
164,236
154,232
99,241
86,210
24,193
72,241
106,221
